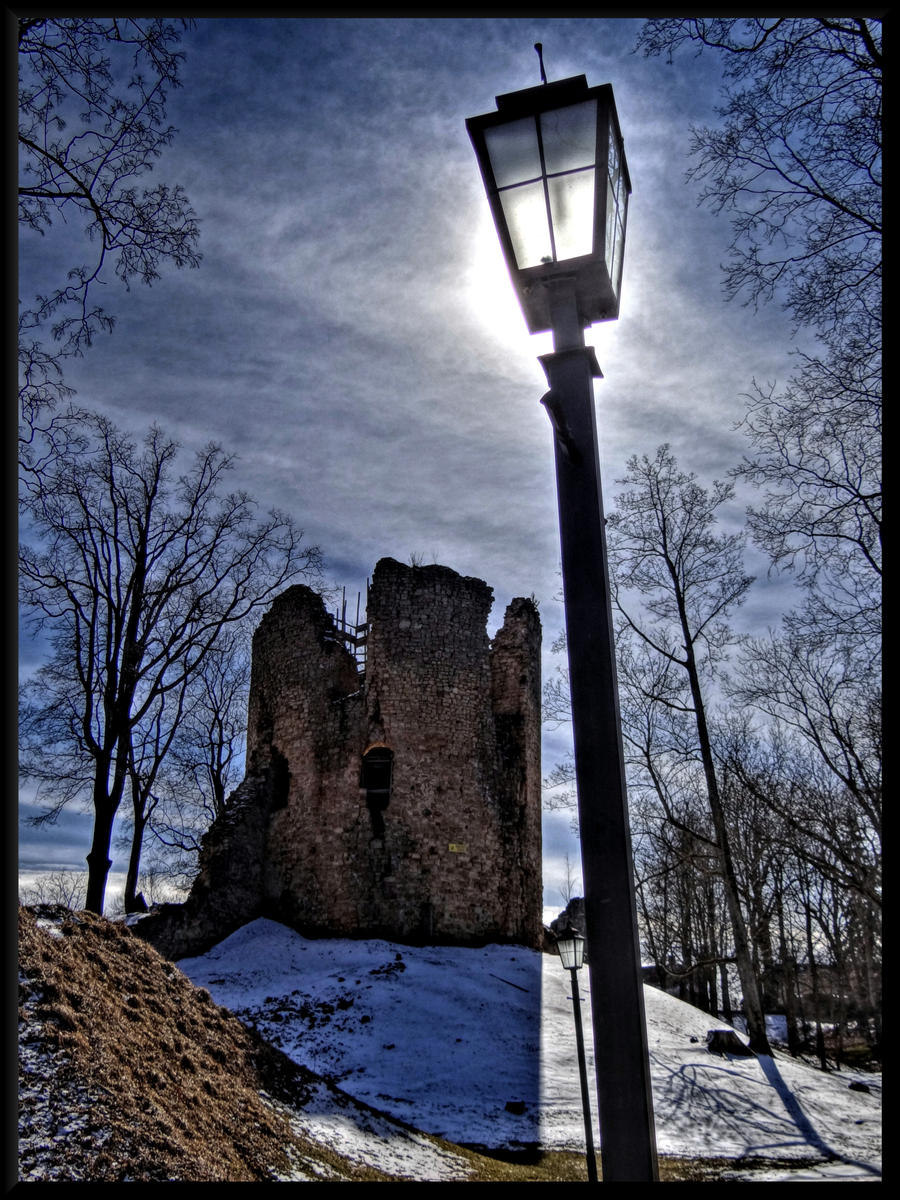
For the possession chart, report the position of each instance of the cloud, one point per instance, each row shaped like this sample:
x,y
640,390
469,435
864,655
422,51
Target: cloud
x,y
351,333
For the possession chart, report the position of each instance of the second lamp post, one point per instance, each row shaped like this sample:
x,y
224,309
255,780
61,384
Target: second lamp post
x,y
570,945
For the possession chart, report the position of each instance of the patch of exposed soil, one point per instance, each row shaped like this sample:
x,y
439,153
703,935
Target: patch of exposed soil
x,y
129,1073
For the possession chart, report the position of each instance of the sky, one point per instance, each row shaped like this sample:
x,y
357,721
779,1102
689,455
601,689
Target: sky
x,y
445,1037
352,334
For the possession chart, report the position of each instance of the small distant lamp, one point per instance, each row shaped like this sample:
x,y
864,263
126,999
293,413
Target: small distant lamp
x,y
570,945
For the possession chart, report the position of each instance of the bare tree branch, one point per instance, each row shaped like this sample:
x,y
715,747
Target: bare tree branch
x,y
136,577
92,107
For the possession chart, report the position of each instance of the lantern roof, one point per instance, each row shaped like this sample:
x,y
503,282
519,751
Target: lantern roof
x,y
546,96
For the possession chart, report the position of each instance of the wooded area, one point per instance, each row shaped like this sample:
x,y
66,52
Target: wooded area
x,y
755,761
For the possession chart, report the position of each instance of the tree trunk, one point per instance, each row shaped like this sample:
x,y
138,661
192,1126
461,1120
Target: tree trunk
x,y
713,942
98,859
790,1002
789,996
872,998
106,802
727,1014
134,858
756,1021
767,972
814,979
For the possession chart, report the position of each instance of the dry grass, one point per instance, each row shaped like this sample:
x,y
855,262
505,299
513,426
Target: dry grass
x,y
567,1166
167,1082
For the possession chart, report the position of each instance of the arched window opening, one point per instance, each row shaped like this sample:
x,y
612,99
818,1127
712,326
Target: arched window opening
x,y
376,778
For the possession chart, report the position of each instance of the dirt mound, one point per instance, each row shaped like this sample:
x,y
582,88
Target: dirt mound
x,y
129,1073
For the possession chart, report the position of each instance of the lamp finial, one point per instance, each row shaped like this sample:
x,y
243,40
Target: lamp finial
x,y
539,46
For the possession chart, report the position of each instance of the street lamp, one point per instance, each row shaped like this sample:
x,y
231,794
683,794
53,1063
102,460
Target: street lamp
x,y
554,170
553,165
570,945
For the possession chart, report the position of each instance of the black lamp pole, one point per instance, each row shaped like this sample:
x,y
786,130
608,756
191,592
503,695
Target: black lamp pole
x,y
621,1058
549,156
582,1074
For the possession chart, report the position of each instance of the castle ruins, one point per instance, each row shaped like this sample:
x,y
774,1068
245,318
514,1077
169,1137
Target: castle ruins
x,y
393,796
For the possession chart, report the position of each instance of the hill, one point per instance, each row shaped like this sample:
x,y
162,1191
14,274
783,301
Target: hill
x,y
130,1073
477,1046
344,1050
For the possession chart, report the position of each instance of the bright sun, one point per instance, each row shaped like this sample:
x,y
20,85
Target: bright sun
x,y
490,296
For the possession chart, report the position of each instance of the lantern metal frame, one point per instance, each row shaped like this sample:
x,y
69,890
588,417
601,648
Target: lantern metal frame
x,y
595,279
570,944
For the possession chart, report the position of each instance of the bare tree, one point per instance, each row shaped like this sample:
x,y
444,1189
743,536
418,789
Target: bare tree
x,y
816,456
813,860
133,575
571,883
820,769
688,578
185,755
795,159
209,746
55,887
679,891
92,121
150,744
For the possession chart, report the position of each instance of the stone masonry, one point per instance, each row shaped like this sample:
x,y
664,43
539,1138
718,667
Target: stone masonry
x,y
403,803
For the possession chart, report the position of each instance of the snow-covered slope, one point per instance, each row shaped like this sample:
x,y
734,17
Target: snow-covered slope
x,y
478,1046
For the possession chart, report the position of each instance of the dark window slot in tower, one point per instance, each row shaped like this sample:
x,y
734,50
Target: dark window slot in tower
x,y
376,778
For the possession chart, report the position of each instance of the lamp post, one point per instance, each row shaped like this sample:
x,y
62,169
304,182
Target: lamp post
x,y
570,944
554,170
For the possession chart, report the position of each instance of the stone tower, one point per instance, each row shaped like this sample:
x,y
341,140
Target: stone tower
x,y
400,802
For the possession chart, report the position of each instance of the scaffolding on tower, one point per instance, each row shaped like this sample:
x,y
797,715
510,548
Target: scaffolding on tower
x,y
354,635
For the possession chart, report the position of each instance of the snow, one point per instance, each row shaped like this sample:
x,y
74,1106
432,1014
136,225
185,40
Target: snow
x,y
478,1047
369,1139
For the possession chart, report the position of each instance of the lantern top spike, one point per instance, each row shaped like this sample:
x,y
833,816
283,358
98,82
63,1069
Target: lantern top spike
x,y
539,46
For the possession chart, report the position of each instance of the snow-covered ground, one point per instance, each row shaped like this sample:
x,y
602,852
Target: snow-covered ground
x,y
478,1046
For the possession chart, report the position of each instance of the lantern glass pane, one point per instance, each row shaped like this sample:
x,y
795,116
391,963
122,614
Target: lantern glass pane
x,y
525,212
569,136
620,251
513,151
616,202
572,212
613,165
615,274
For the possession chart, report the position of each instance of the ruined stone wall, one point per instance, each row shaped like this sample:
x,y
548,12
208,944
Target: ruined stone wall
x,y
454,860
452,851
307,713
516,705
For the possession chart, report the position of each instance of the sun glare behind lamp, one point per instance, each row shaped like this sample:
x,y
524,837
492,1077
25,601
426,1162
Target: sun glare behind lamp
x,y
554,170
